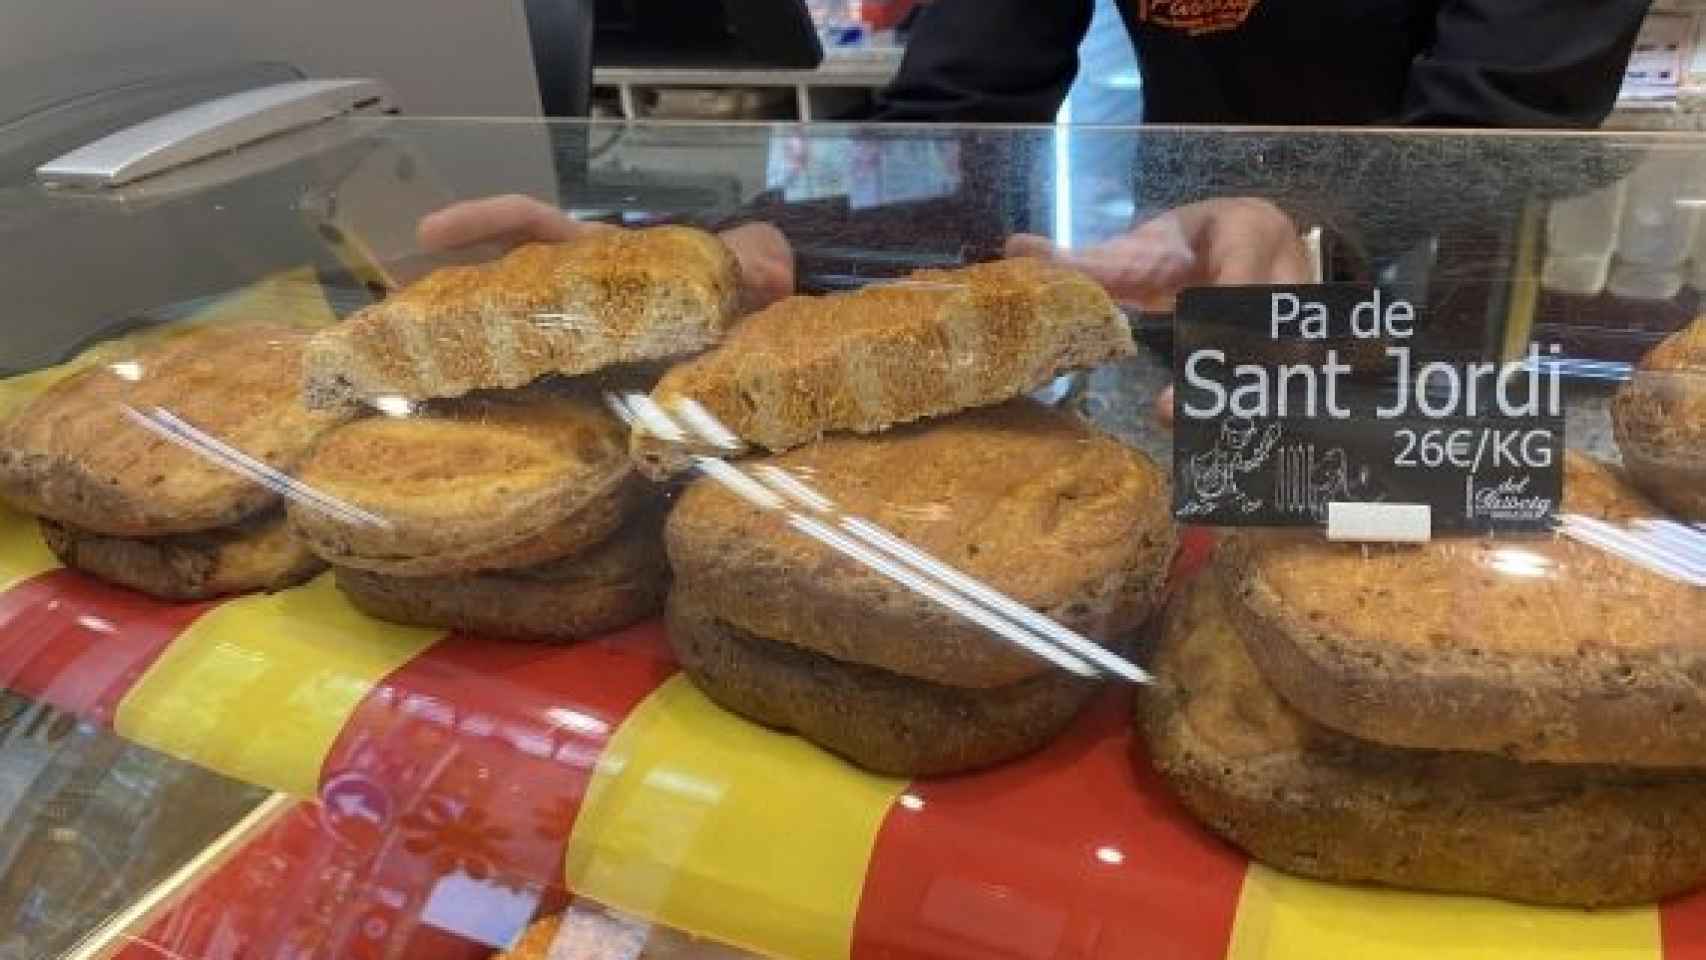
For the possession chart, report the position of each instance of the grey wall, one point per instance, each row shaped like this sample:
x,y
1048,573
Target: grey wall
x,y
464,57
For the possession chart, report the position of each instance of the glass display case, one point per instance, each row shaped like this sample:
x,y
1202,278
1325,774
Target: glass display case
x,y
588,572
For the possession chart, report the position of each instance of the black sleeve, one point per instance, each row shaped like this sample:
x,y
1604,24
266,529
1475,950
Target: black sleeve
x,y
1000,61
1523,63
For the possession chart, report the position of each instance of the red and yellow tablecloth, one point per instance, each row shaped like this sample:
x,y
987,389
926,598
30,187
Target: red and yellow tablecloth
x,y
431,763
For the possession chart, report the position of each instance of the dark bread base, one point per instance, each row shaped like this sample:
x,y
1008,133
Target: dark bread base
x,y
502,606
617,583
879,720
1314,802
251,556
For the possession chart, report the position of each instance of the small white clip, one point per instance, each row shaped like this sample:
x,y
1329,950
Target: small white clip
x,y
1379,522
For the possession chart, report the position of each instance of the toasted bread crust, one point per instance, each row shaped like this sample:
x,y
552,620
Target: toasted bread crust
x,y
614,296
1306,799
1031,502
258,554
878,720
483,483
609,586
940,341
1659,419
146,446
1577,657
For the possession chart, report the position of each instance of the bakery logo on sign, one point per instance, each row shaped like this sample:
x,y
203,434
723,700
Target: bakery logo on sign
x,y
1196,17
1293,398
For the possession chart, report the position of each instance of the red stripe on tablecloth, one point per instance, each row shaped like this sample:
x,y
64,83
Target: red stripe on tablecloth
x,y
1074,852
477,753
80,644
455,769
1078,851
1682,927
296,890
270,900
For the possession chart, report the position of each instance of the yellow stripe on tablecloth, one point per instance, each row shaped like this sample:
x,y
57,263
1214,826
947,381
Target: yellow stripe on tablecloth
x,y
23,553
722,828
1281,917
260,686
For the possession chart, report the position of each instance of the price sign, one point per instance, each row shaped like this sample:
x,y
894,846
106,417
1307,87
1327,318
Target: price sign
x,y
1293,398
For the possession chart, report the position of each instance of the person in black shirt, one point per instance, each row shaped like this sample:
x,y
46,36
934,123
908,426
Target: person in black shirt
x,y
1450,63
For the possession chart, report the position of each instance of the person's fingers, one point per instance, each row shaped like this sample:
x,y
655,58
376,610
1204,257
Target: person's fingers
x,y
1243,263
507,220
1158,259
1164,407
1292,265
1145,268
766,263
1254,244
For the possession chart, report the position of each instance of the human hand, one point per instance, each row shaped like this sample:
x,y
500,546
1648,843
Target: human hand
x,y
1224,242
765,257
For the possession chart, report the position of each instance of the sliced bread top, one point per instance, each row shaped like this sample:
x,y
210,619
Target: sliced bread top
x,y
937,342
613,296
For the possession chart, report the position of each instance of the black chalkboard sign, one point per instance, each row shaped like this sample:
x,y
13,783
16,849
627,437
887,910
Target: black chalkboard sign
x,y
1289,398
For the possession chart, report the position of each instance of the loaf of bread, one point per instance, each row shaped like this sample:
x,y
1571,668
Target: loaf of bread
x,y
606,587
256,554
1542,649
490,482
195,433
611,297
937,342
879,720
1660,422
1029,501
1315,802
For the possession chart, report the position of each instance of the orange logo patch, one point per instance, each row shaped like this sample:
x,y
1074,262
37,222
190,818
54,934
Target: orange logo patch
x,y
1196,16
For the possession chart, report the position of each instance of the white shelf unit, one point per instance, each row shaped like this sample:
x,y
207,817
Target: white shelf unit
x,y
817,93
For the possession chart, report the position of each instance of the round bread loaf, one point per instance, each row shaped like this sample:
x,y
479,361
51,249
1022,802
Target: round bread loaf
x,y
1660,421
879,720
1029,501
194,434
1315,802
1542,648
257,554
607,587
492,482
